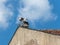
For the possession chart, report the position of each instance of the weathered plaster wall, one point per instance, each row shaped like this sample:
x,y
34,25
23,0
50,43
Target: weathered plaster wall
x,y
25,36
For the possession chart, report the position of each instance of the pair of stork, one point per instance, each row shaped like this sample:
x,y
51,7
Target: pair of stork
x,y
24,22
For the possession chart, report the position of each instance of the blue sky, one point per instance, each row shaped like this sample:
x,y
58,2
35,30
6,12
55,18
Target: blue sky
x,y
41,14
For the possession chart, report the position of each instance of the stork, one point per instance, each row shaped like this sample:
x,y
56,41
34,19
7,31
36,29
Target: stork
x,y
24,22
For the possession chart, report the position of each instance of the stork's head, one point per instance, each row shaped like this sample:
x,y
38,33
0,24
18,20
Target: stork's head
x,y
22,19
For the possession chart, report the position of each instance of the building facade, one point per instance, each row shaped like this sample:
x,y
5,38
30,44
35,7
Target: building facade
x,y
24,36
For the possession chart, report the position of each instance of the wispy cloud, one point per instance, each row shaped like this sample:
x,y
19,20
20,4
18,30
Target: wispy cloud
x,y
5,14
32,10
36,9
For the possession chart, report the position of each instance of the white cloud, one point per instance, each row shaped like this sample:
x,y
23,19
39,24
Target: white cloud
x,y
37,9
5,14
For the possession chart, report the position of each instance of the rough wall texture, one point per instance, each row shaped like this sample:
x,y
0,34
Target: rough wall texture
x,y
25,36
